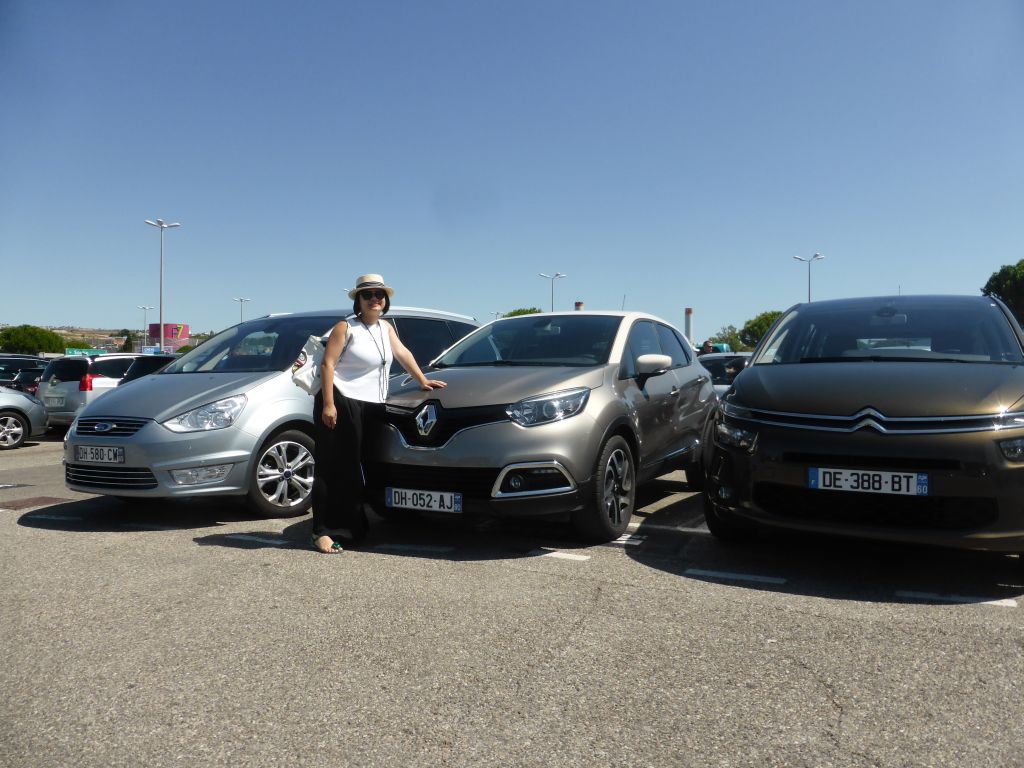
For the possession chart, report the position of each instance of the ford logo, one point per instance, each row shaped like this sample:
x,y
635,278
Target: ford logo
x,y
102,426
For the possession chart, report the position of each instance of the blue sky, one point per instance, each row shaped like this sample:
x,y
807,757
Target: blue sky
x,y
662,154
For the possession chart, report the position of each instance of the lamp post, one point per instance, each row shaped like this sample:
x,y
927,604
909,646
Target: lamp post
x,y
241,303
815,257
159,223
552,278
145,322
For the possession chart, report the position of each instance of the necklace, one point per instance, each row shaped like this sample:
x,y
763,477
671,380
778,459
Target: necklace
x,y
381,350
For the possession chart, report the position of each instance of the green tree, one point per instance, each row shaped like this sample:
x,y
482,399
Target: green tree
x,y
523,311
129,343
752,332
729,335
1008,285
30,340
184,348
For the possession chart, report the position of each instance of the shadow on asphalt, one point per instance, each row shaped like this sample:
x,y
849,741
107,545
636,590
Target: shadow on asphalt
x,y
107,514
837,568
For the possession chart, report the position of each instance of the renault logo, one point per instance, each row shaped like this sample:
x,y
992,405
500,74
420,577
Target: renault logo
x,y
426,419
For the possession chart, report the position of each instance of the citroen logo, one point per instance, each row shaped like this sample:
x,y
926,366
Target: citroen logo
x,y
102,426
426,419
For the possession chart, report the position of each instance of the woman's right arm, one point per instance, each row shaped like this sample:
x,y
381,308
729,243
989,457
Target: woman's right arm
x,y
335,345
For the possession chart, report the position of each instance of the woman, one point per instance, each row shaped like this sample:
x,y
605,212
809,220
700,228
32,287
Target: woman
x,y
357,360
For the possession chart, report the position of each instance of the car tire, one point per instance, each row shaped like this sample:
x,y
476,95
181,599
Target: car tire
x,y
721,527
608,514
14,430
281,477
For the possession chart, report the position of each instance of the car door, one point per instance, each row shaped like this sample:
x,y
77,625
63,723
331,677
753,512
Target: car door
x,y
652,407
692,382
422,336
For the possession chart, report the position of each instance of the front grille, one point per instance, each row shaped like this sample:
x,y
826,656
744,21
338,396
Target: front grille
x,y
118,427
448,421
874,509
871,418
471,482
99,476
894,463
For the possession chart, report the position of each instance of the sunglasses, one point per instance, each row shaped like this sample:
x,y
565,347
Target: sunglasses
x,y
367,295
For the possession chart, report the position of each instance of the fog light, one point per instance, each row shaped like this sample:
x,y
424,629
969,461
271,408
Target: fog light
x,y
516,482
1013,450
724,492
200,475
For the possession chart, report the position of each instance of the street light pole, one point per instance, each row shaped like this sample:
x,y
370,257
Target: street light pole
x,y
159,223
241,303
815,257
145,323
552,278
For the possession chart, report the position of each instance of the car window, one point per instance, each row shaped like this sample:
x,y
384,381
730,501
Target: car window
x,y
460,329
643,340
423,337
562,340
66,368
672,346
111,367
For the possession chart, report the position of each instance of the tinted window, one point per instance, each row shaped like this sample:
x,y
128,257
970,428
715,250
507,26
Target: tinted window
x,y
264,344
672,346
914,328
581,340
145,365
111,367
423,337
460,329
67,368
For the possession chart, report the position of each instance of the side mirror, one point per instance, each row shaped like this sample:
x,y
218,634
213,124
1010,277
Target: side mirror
x,y
648,366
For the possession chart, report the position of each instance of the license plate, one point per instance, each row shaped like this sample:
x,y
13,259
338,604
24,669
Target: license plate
x,y
99,454
425,501
868,481
55,402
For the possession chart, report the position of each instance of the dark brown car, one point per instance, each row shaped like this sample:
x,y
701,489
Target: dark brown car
x,y
898,418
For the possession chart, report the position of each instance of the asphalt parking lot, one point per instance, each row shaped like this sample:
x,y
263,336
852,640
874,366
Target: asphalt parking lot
x,y
168,634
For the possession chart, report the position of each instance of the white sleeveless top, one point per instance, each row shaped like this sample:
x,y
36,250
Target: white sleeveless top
x,y
361,372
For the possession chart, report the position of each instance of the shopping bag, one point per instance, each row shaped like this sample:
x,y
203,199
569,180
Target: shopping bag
x,y
306,368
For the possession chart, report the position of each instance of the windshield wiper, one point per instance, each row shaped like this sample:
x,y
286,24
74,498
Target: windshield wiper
x,y
885,359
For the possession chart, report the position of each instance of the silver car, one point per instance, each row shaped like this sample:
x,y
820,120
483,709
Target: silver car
x,y
21,416
225,419
70,383
546,415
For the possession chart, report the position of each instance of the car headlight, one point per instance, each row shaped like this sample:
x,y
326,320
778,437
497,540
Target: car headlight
x,y
547,408
737,437
216,415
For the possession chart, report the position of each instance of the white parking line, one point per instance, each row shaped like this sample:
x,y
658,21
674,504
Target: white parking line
x,y
701,530
734,576
557,554
259,539
965,599
629,540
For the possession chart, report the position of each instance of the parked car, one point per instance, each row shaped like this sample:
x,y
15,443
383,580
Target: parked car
x,y
225,419
10,365
724,367
558,415
145,365
27,380
898,418
70,383
21,416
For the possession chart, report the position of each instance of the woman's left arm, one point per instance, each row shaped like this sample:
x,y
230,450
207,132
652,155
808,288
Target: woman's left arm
x,y
404,356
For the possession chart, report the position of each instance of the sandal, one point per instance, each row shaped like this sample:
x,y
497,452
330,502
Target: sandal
x,y
335,546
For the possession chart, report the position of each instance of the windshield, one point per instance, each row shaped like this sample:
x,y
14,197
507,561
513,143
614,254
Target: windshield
x,y
264,344
574,340
927,329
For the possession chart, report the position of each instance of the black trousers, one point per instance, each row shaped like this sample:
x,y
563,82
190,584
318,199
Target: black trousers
x,y
339,484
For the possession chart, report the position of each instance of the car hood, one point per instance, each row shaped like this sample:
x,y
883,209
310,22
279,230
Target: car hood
x,y
163,395
894,389
494,385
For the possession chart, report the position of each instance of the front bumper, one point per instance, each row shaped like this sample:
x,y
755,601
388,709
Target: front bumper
x,y
975,496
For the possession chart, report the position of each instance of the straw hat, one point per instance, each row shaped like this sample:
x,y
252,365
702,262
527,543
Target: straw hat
x,y
370,281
